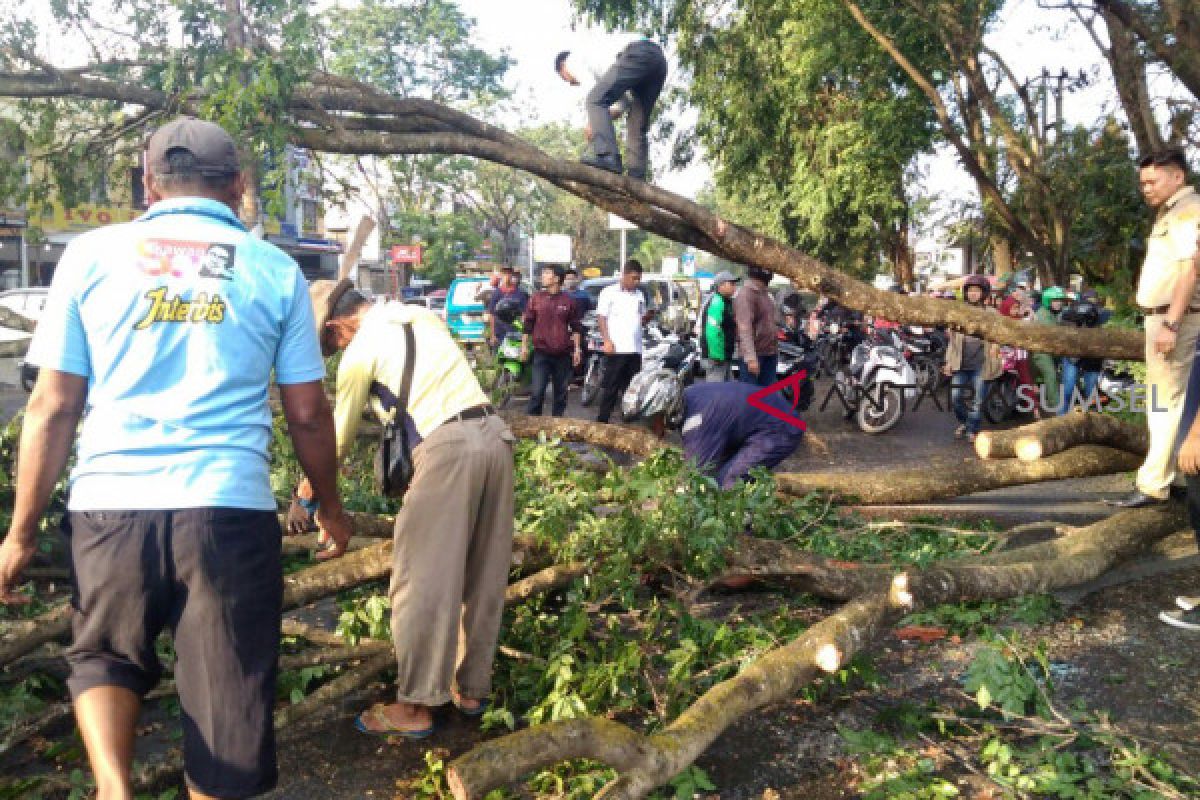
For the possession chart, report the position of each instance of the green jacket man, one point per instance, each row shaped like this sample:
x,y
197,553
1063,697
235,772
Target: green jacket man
x,y
717,330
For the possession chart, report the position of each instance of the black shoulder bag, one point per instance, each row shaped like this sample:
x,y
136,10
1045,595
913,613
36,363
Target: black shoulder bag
x,y
393,459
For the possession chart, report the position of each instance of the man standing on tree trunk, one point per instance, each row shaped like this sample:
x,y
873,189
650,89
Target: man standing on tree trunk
x,y
453,535
167,330
630,83
1168,294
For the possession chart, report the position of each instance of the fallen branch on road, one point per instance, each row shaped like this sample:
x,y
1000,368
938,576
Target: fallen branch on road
x,y
923,485
645,763
1057,434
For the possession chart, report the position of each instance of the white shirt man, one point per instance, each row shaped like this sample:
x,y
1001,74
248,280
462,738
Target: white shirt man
x,y
620,314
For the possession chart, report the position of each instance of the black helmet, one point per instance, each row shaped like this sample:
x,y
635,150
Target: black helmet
x,y
1086,314
507,310
759,274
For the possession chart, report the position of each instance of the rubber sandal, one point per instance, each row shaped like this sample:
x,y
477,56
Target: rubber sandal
x,y
376,713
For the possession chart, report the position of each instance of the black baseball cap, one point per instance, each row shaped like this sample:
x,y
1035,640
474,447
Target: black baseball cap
x,y
211,147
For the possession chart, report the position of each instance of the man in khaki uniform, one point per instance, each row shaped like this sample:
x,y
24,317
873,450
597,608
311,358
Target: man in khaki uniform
x,y
453,537
1171,327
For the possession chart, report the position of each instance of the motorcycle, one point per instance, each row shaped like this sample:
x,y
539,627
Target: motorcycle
x,y
834,344
1001,401
794,358
926,351
1116,383
671,351
512,371
593,374
875,386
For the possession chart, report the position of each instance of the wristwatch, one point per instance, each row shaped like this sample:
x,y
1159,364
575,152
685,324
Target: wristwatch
x,y
1173,327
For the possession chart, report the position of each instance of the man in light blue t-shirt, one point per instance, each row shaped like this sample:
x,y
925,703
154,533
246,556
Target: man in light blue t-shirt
x,y
163,334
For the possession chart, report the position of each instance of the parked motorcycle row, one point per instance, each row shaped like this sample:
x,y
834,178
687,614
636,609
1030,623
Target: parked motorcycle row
x,y
878,372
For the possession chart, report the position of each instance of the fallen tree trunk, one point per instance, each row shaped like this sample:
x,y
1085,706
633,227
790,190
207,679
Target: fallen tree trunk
x,y
1057,434
645,763
921,485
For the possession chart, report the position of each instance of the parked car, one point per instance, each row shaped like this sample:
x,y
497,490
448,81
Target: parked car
x,y
464,309
675,297
27,302
435,304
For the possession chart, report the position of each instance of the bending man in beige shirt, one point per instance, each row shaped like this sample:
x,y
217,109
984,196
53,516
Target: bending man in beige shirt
x,y
453,536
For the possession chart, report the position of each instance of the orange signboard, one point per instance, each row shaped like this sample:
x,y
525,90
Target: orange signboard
x,y
85,217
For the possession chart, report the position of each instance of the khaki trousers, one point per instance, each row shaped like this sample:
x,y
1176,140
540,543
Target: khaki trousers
x,y
1167,380
452,556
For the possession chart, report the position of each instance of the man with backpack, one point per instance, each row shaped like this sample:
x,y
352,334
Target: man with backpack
x,y
717,329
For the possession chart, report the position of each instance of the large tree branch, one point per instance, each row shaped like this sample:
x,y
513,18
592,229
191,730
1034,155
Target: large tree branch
x,y
675,217
646,762
652,208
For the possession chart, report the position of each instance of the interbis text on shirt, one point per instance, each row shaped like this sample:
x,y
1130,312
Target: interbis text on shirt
x,y
203,309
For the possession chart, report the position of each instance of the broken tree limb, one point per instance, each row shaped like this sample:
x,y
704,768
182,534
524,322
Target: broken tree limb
x,y
623,438
31,634
350,681
645,763
16,320
361,566
1057,434
545,580
920,485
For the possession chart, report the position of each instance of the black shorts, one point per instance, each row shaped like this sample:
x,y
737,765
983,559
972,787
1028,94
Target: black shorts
x,y
211,575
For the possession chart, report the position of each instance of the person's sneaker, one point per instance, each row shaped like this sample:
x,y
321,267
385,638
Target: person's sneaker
x,y
960,431
1188,603
1189,620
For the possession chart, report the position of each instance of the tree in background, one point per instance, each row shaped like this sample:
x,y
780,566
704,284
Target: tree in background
x,y
425,49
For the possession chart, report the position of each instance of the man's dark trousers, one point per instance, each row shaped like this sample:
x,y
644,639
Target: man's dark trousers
x,y
555,370
641,70
619,369
767,366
